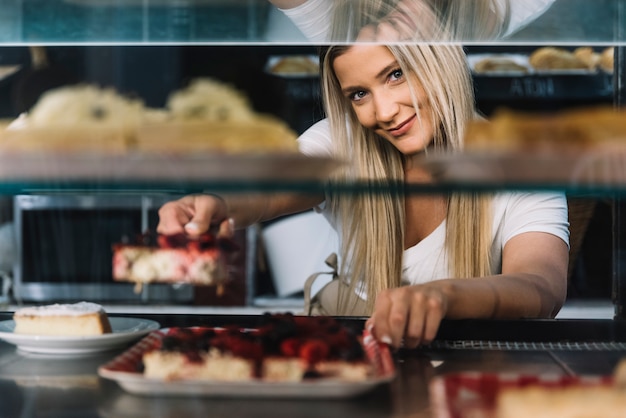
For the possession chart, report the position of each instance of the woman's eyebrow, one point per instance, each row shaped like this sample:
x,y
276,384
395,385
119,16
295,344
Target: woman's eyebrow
x,y
381,74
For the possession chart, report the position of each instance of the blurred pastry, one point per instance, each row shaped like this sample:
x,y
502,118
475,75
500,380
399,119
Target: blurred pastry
x,y
78,118
207,99
85,104
587,55
574,401
296,64
607,60
499,65
212,116
592,128
553,58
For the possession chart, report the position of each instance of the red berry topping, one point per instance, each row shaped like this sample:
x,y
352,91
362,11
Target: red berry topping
x,y
290,347
313,351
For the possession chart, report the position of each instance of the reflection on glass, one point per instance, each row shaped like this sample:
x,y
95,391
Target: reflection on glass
x,y
251,21
475,20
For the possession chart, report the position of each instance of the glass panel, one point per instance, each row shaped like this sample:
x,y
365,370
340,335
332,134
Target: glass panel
x,y
256,21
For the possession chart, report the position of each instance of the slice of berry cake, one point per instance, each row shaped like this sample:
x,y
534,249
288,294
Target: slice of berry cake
x,y
173,259
284,348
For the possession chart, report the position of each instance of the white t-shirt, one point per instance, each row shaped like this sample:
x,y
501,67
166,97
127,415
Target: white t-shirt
x,y
313,17
513,213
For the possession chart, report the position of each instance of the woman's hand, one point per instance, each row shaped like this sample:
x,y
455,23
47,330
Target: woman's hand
x,y
194,215
408,316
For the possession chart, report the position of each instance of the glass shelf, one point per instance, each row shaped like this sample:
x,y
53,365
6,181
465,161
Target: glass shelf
x,y
181,187
254,22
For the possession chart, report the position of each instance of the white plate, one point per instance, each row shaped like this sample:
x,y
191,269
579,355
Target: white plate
x,y
125,330
123,370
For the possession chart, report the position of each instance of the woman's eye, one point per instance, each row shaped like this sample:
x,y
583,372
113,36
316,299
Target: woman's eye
x,y
358,95
396,75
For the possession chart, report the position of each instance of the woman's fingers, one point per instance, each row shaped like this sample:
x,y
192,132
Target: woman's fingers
x,y
408,316
208,210
436,308
174,215
192,215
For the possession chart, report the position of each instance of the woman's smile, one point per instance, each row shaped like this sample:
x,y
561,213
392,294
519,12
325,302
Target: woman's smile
x,y
403,127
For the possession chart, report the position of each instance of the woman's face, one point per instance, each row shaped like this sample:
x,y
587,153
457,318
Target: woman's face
x,y
371,79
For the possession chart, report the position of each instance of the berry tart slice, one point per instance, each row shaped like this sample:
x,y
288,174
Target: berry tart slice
x,y
285,348
173,259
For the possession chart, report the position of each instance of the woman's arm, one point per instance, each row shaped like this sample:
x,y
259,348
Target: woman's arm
x,y
195,214
533,284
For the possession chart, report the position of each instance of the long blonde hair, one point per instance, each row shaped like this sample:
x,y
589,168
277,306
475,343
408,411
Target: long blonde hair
x,y
371,225
445,20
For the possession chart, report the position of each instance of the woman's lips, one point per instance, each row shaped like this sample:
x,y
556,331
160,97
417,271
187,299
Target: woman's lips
x,y
403,128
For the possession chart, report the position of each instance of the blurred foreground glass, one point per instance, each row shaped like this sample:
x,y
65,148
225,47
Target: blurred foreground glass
x,y
246,21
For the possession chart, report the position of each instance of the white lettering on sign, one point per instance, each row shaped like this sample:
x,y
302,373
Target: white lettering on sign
x,y
532,87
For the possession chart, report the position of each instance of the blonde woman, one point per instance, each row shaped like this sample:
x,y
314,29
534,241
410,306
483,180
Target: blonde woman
x,y
403,20
412,259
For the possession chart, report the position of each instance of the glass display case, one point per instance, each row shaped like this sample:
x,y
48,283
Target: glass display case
x,y
150,48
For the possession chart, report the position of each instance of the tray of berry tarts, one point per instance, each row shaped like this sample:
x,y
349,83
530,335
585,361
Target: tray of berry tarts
x,y
286,356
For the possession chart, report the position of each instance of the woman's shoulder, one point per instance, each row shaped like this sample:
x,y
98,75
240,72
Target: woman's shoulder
x,y
524,12
312,18
316,140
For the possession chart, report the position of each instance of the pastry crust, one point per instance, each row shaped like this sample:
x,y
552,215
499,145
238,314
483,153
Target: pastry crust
x,y
553,58
499,65
206,116
262,134
209,100
587,55
295,65
607,60
576,130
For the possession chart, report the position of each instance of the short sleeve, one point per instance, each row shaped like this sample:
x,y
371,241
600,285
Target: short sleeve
x,y
524,12
316,141
313,18
535,212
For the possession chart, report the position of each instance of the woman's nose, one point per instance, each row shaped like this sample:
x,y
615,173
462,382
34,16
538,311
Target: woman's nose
x,y
386,107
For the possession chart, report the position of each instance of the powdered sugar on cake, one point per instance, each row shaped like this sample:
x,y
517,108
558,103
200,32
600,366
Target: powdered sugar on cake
x,y
78,319
58,309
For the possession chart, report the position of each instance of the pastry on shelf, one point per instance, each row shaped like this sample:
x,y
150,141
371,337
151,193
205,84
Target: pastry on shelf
x,y
551,58
497,64
207,116
79,118
293,65
592,128
588,55
210,115
607,60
